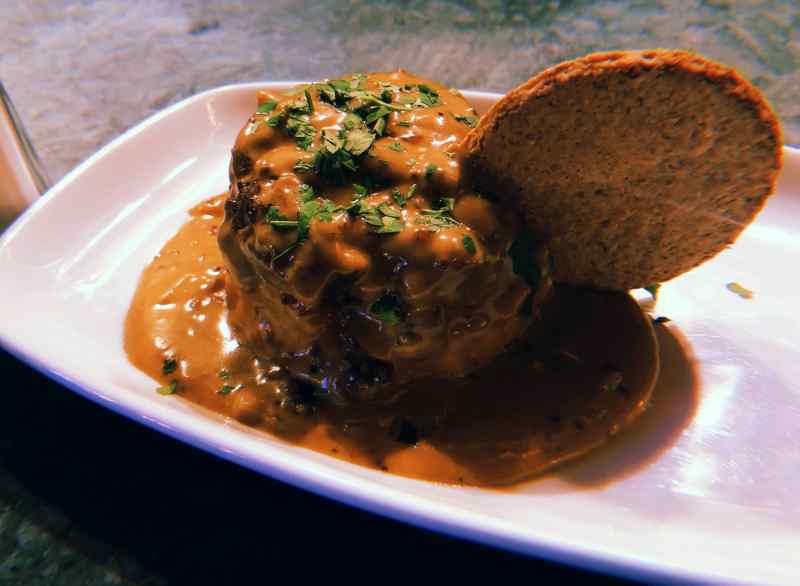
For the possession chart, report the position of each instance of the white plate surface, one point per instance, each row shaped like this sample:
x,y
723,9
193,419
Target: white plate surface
x,y
706,488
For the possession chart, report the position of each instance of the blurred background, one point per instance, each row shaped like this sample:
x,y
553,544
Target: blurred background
x,y
87,497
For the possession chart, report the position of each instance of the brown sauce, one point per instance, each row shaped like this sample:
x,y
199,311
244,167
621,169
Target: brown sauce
x,y
527,411
370,305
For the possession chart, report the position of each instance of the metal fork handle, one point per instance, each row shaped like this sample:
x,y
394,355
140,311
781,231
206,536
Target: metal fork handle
x,y
22,176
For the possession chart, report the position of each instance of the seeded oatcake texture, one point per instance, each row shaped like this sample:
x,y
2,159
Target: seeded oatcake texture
x,y
634,166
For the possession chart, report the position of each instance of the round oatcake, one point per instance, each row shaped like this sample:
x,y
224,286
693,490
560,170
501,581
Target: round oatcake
x,y
633,166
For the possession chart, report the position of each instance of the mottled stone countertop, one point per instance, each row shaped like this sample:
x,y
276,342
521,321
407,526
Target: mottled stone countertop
x,y
89,498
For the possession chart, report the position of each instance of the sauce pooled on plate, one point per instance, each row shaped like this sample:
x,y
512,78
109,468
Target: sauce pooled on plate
x,y
354,295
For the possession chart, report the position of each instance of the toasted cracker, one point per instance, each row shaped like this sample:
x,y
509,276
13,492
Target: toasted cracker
x,y
633,166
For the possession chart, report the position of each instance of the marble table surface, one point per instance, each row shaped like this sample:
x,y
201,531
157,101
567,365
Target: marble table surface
x,y
87,497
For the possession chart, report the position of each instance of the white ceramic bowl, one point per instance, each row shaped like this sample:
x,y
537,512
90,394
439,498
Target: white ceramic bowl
x,y
705,488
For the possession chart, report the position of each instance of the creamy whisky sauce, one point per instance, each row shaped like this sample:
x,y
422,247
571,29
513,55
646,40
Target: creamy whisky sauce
x,y
532,408
353,294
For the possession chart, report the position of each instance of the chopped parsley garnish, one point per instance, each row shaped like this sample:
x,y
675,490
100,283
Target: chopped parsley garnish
x,y
470,121
275,219
304,166
401,199
357,141
430,170
352,121
302,131
404,123
228,389
336,158
168,389
469,244
522,259
382,218
169,366
366,117
427,95
438,218
309,102
311,208
387,210
387,308
377,113
306,193
267,107
326,210
653,290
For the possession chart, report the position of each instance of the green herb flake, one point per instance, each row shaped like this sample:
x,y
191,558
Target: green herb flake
x,y
427,95
358,141
274,218
404,123
274,121
388,210
304,217
339,85
399,197
469,244
377,114
285,251
352,121
470,121
438,218
739,290
326,92
267,107
309,101
382,219
387,308
327,210
169,366
396,146
390,225
304,166
653,290
169,389
302,131
430,171
357,81
306,193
